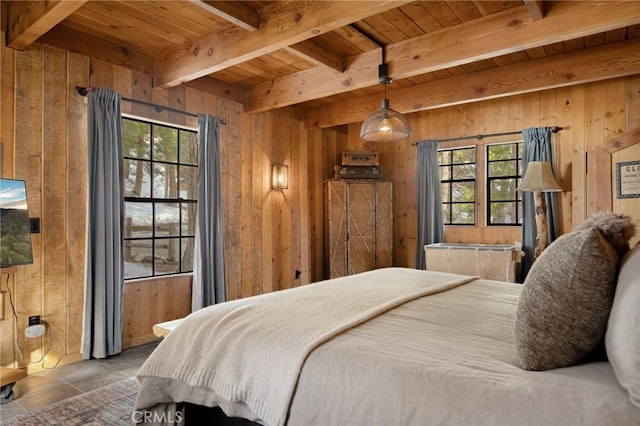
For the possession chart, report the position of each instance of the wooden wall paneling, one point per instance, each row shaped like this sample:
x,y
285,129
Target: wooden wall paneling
x,y
54,203
259,193
300,196
7,153
76,195
231,158
632,97
564,155
247,212
101,74
123,84
268,234
577,133
142,91
283,220
316,203
594,132
28,157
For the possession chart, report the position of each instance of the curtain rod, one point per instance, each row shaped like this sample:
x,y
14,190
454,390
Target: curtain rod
x,y
554,129
84,91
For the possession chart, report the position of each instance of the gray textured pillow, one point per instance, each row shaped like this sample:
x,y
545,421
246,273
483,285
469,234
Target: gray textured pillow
x,y
564,306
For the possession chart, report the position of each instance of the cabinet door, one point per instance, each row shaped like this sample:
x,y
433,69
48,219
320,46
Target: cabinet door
x,y
361,227
384,225
336,228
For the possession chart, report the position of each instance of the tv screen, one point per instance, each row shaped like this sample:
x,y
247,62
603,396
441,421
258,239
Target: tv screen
x,y
15,231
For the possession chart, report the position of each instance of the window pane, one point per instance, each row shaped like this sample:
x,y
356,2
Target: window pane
x,y
466,155
446,210
135,139
466,171
167,260
138,220
502,189
188,184
445,173
445,192
165,143
137,182
503,212
444,157
188,147
165,181
463,214
462,191
187,255
503,168
167,220
188,218
502,151
137,258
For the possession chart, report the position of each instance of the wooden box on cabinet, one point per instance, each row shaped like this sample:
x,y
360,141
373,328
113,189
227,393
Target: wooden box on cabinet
x,y
359,226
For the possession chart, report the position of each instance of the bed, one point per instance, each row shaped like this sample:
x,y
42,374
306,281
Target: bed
x,y
392,346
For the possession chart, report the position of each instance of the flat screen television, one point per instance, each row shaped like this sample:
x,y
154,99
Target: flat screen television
x,y
15,229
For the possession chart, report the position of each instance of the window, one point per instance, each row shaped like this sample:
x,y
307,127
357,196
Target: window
x,y
160,167
504,167
458,181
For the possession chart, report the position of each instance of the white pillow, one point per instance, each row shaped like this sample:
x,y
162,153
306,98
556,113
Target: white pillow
x,y
622,338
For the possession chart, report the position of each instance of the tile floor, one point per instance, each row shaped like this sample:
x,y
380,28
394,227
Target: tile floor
x,y
44,388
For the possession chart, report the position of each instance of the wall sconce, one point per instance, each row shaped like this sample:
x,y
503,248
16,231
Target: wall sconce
x,y
280,176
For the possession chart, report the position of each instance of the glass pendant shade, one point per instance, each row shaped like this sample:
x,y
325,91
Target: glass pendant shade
x,y
385,125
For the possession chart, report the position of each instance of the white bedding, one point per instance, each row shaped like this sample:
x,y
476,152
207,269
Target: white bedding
x,y
444,359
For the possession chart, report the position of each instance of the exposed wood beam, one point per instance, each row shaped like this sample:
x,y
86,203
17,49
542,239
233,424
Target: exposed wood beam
x,y
235,12
29,20
217,88
94,47
246,18
285,24
536,9
316,55
495,35
578,67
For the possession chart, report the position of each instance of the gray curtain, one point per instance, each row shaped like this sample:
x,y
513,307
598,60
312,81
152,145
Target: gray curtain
x,y
102,322
537,146
429,199
209,286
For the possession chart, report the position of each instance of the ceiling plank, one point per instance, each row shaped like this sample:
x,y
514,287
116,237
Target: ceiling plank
x,y
285,24
29,20
504,33
536,9
578,67
94,47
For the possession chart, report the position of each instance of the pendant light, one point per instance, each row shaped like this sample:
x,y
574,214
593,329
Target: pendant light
x,y
386,124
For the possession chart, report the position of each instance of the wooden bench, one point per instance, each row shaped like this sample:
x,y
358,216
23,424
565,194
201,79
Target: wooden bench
x,y
8,378
164,328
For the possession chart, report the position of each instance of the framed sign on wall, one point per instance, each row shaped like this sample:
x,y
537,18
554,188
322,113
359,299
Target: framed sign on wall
x,y
628,179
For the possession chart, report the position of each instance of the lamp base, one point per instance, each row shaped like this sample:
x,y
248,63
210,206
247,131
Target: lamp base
x,y
541,224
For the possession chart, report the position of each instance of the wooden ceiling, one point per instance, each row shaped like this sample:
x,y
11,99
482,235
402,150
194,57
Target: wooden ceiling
x,y
323,56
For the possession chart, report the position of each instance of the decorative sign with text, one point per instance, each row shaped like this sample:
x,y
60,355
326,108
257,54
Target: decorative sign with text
x,y
628,179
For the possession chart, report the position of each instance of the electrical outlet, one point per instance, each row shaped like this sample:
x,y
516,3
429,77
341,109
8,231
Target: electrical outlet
x,y
34,330
34,320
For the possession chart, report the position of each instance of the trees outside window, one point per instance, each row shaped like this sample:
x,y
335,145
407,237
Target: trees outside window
x,y
504,169
458,185
160,167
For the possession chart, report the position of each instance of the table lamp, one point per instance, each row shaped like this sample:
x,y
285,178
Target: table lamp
x,y
538,179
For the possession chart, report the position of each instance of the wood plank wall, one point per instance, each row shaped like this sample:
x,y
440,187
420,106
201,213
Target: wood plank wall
x,y
590,114
269,234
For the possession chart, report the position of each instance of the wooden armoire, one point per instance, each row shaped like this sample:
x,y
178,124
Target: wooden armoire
x,y
359,226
